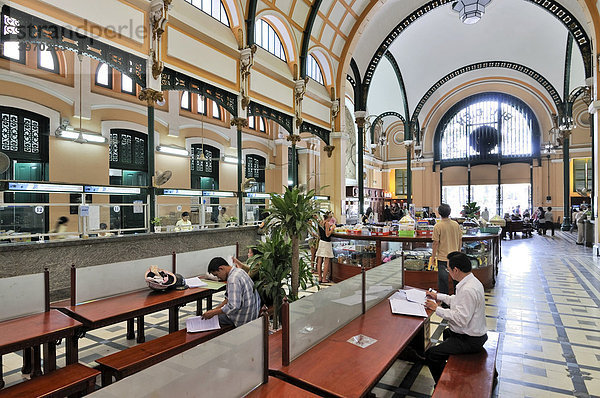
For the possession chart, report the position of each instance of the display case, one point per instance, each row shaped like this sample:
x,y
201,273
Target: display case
x,y
351,252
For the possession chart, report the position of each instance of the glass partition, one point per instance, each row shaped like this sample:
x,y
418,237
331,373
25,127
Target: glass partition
x,y
381,281
315,317
230,365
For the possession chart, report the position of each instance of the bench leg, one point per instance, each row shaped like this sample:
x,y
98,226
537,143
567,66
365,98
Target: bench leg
x,y
90,387
209,302
198,307
173,319
140,329
26,369
37,362
107,376
130,331
49,357
1,374
72,349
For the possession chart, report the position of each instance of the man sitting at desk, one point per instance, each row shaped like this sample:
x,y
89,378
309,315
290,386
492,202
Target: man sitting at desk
x,y
467,331
241,304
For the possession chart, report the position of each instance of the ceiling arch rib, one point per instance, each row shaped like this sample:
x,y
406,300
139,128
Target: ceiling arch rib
x,y
556,9
250,21
314,9
554,94
392,60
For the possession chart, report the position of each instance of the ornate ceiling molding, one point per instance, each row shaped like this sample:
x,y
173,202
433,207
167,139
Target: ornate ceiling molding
x,y
317,131
285,121
483,65
552,6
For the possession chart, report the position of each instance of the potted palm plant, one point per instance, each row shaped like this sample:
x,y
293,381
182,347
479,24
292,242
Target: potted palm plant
x,y
293,214
273,264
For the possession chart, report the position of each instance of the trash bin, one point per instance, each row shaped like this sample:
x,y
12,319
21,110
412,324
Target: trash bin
x,y
588,232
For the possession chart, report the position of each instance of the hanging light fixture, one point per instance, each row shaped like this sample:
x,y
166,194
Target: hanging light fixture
x,y
470,11
202,156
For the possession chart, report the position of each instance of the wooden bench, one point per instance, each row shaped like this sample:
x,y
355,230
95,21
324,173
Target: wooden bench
x,y
72,379
132,360
279,388
470,375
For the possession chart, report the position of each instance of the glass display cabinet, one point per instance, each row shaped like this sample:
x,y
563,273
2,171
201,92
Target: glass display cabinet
x,y
351,252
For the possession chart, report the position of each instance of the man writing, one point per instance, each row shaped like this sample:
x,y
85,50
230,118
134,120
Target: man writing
x,y
467,331
447,238
241,304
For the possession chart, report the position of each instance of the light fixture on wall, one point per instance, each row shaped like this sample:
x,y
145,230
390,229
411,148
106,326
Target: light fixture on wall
x,y
470,11
79,135
172,150
230,159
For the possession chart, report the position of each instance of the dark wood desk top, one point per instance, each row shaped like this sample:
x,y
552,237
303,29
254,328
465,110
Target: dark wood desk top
x,y
102,312
19,333
279,388
344,369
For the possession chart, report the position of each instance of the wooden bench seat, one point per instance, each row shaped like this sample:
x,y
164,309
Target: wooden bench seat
x,y
72,379
134,359
470,375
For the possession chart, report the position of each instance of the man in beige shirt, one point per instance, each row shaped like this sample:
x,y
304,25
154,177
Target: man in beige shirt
x,y
447,238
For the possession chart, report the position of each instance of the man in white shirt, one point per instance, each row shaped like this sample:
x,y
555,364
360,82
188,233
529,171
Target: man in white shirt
x,y
466,332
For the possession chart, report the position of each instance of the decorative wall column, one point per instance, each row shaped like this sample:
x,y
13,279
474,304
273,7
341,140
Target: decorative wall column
x,y
158,17
566,223
299,91
151,97
360,123
240,123
333,175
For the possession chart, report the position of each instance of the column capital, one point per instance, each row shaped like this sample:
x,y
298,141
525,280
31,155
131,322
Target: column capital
x,y
151,96
239,122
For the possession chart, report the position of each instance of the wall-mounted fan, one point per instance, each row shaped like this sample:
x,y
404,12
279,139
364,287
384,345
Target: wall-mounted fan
x,y
4,162
581,191
248,183
162,177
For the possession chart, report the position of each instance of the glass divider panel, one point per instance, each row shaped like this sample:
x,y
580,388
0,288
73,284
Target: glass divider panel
x,y
230,365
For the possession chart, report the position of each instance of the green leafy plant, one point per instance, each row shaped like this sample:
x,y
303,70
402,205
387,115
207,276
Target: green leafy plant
x,y
470,210
293,214
273,264
233,219
156,221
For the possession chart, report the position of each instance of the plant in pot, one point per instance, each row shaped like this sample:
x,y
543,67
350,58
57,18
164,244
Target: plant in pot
x,y
470,211
232,221
273,264
294,214
157,222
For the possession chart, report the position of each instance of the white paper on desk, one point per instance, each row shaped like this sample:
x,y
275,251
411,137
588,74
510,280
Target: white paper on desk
x,y
404,307
195,282
197,324
399,295
353,300
416,296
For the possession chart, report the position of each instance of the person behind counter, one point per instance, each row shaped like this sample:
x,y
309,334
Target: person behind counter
x,y
466,332
104,231
60,227
184,224
368,216
325,249
222,219
447,238
242,303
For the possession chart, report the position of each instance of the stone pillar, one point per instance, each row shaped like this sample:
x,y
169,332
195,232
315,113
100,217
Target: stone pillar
x,y
239,123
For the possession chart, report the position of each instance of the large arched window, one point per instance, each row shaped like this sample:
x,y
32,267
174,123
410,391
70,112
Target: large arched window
x,y
47,60
487,128
214,8
314,70
266,37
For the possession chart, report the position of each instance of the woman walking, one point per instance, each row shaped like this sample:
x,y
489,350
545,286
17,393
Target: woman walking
x,y
325,250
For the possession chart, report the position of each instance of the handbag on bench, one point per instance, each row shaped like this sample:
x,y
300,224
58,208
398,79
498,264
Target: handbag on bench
x,y
162,280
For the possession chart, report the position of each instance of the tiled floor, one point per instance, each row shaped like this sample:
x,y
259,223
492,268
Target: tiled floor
x,y
545,304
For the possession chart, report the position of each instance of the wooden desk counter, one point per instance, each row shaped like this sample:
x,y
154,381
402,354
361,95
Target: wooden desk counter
x,y
343,369
103,312
32,331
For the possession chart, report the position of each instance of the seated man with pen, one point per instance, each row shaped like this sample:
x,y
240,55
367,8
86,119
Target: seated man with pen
x,y
242,303
467,331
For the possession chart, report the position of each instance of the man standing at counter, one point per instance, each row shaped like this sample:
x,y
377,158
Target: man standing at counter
x,y
467,331
447,238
